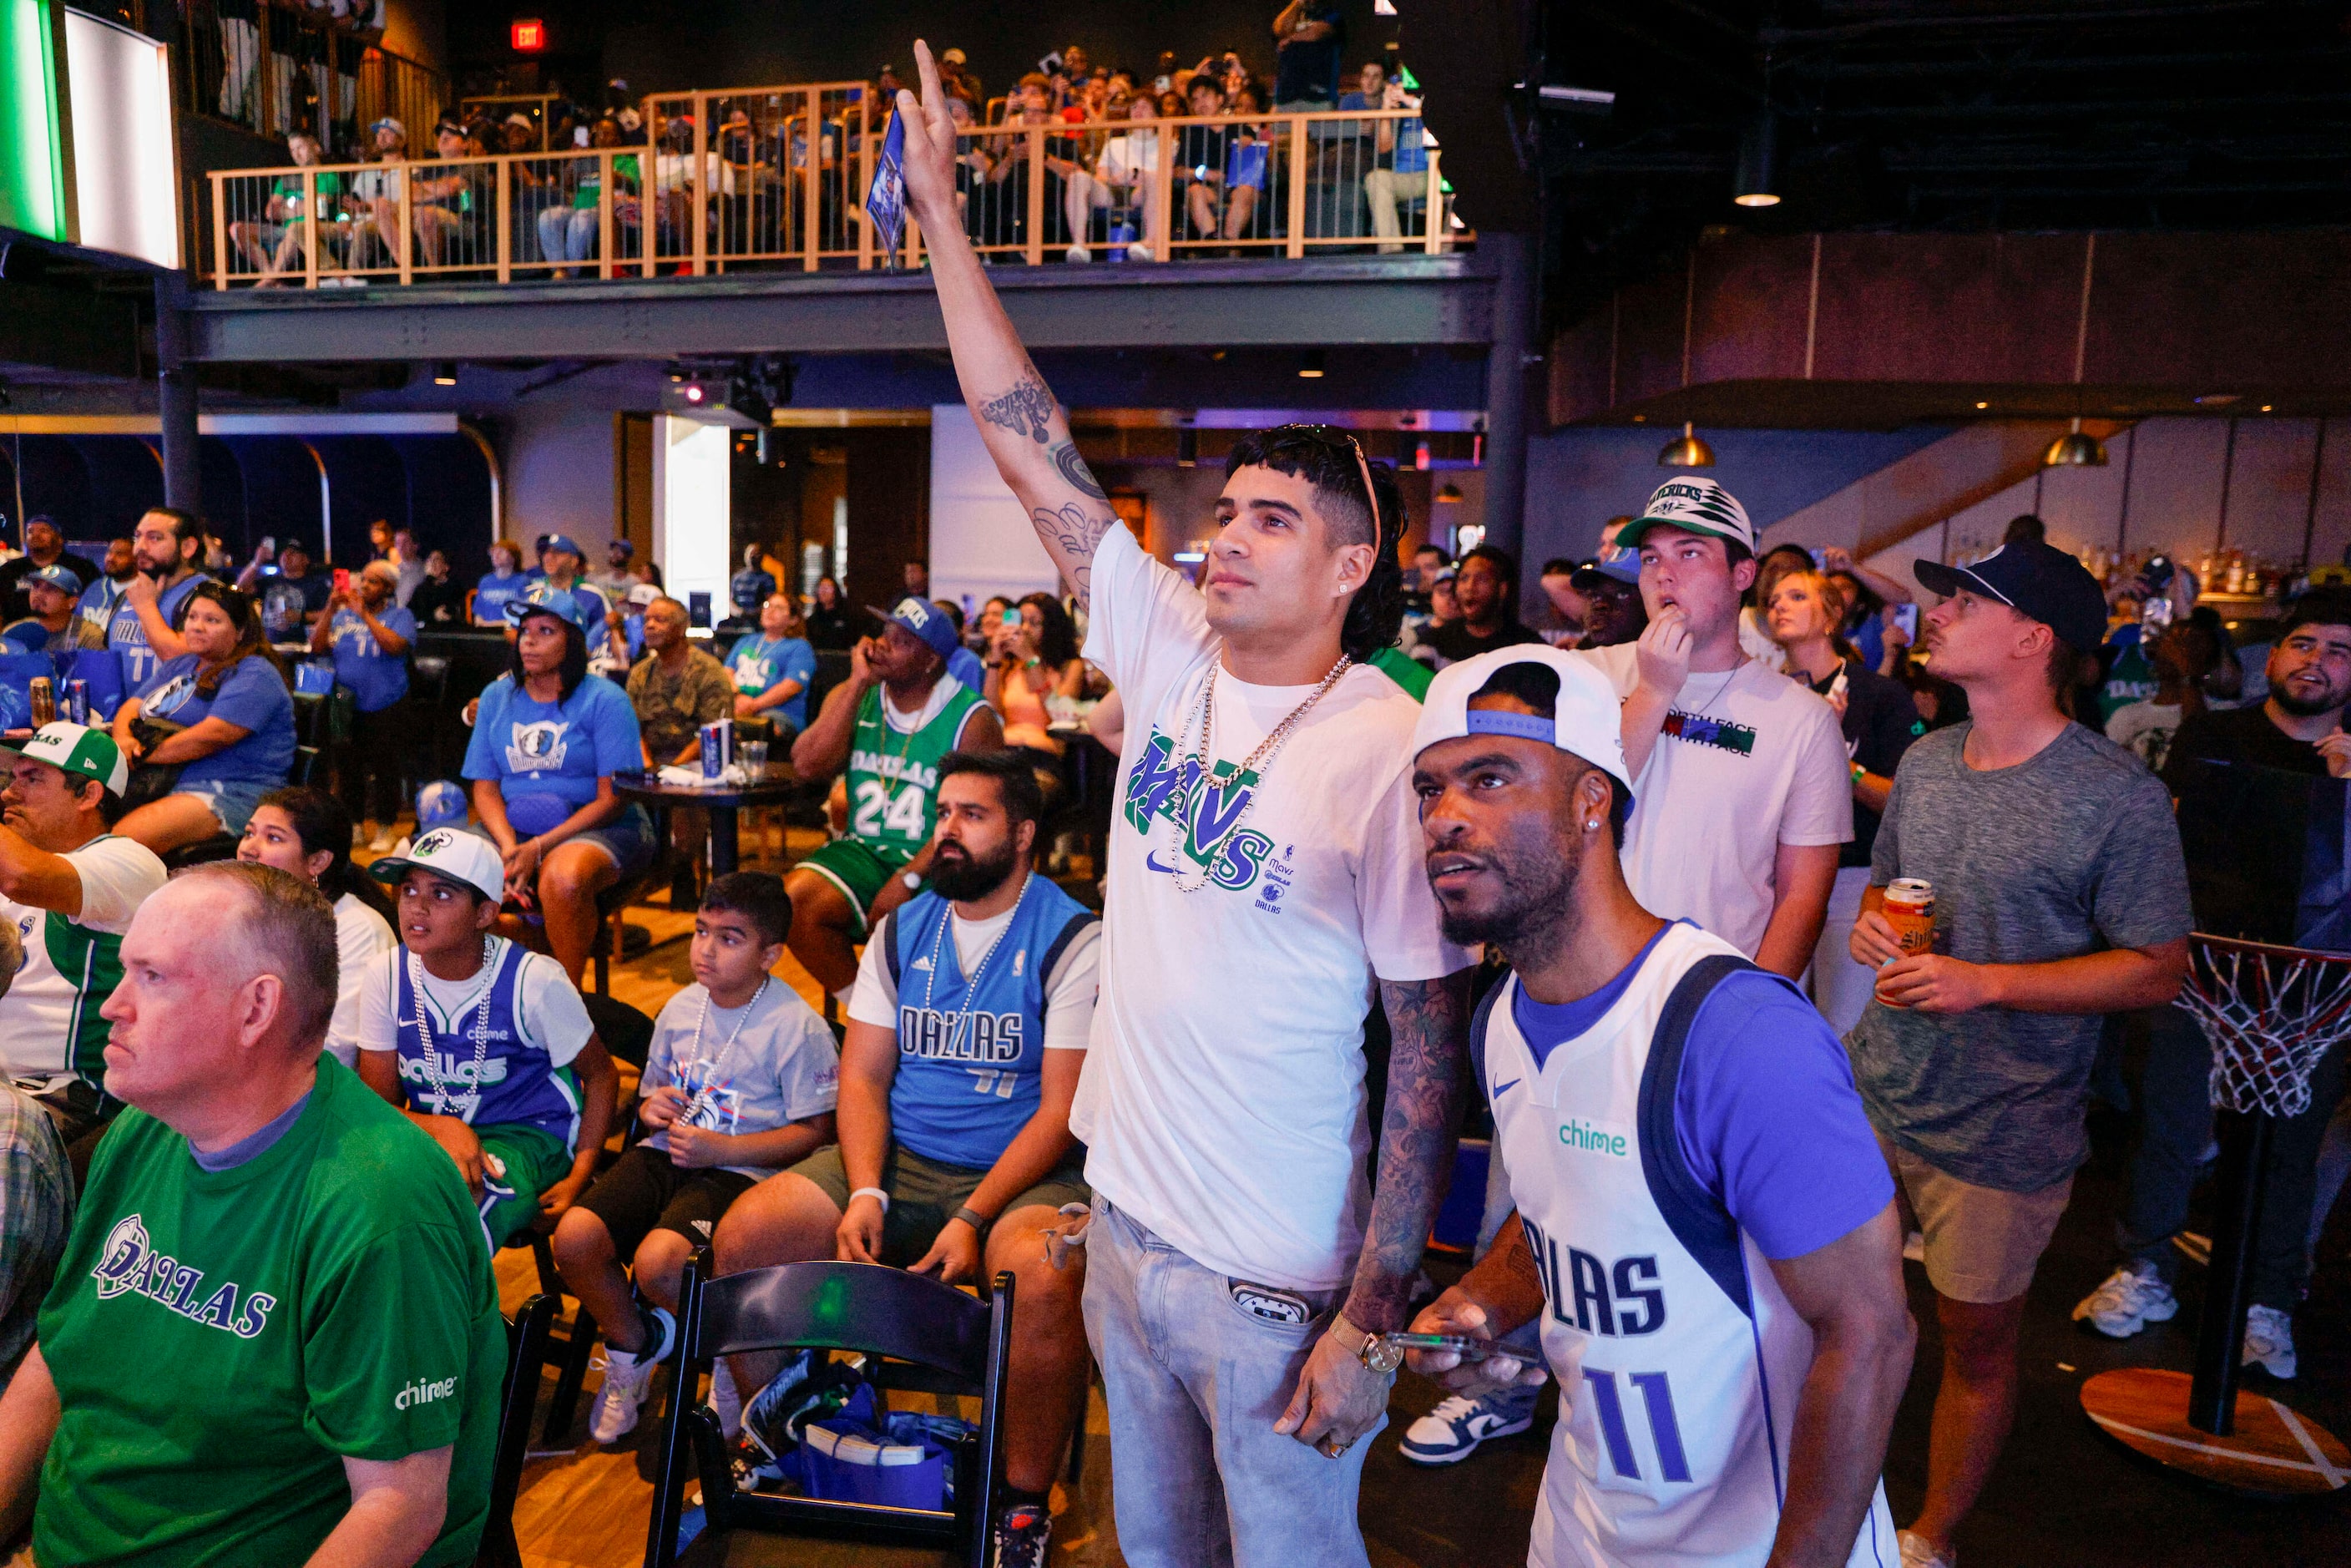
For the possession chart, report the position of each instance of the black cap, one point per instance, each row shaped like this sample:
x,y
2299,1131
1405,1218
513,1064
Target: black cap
x,y
2037,581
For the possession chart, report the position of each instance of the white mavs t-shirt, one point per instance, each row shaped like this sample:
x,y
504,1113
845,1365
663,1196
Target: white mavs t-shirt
x,y
1749,760
1223,1100
49,1027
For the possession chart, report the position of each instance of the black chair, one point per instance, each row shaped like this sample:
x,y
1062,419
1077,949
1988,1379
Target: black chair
x,y
946,1340
527,1338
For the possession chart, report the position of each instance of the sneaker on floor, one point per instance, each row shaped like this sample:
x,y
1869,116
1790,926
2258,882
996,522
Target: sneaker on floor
x,y
767,1419
627,1375
1138,253
2133,1297
1451,1433
1024,1532
1917,1553
1077,253
727,1400
2269,1340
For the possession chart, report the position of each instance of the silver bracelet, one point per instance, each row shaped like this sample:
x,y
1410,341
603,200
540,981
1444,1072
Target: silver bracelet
x,y
872,1192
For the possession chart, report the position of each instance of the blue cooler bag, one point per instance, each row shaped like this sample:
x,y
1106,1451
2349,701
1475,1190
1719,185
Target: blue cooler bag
x,y
858,1455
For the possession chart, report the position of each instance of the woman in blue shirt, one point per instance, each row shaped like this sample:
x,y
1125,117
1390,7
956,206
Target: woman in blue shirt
x,y
505,583
233,738
772,670
369,637
547,741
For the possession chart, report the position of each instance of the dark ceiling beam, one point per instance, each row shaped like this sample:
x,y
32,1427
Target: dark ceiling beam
x,y
2071,18
2220,108
1830,68
1748,88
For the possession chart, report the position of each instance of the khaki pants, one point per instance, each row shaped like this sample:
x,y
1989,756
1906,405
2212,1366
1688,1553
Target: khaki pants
x,y
1387,191
1982,1243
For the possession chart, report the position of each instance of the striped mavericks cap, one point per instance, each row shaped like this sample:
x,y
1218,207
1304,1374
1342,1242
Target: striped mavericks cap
x,y
1695,505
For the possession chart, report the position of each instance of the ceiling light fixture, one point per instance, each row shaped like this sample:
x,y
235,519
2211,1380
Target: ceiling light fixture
x,y
1310,365
1448,493
2074,449
1686,450
444,374
1757,183
1982,407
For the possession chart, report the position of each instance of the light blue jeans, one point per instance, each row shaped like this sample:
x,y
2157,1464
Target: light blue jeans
x,y
567,234
1194,1384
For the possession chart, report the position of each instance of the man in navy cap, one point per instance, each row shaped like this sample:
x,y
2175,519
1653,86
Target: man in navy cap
x,y
44,546
562,559
2060,895
887,727
52,590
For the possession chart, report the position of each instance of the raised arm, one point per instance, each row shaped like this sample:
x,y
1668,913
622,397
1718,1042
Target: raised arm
x,y
1026,431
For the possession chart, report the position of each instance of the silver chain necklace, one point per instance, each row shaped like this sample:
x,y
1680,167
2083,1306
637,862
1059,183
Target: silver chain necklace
x,y
443,1102
1698,709
725,1048
1260,762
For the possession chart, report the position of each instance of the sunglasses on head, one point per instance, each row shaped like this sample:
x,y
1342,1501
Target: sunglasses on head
x,y
1362,464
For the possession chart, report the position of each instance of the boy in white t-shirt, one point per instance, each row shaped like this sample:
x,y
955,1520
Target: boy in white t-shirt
x,y
1742,787
739,1084
1265,876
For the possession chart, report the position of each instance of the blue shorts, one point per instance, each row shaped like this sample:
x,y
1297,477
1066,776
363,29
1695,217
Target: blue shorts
x,y
230,800
626,839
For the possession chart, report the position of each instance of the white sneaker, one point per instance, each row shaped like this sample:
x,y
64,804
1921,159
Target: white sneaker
x,y
1138,253
2133,1297
627,1375
1917,1553
1077,253
2269,1340
1453,1431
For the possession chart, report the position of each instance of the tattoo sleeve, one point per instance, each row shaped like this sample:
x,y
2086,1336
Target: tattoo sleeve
x,y
1074,531
1428,1081
1073,469
1027,408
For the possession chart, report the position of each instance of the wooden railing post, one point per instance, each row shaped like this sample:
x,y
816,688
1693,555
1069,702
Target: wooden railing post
x,y
504,168
858,215
265,74
700,186
1035,217
309,228
219,230
407,224
1434,207
1298,169
606,194
813,183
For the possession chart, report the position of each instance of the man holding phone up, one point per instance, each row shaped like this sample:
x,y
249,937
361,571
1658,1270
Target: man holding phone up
x,y
1704,1228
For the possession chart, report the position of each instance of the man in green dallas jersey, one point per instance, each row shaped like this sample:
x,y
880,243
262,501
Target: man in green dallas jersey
x,y
274,1336
889,725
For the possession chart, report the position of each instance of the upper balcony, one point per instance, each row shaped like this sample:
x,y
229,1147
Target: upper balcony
x,y
741,225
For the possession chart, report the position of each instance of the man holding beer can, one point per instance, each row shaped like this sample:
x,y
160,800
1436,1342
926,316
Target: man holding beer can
x,y
2026,880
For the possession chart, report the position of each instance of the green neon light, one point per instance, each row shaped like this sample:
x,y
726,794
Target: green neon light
x,y
32,152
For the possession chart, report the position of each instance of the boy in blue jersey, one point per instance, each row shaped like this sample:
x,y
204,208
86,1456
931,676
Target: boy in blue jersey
x,y
739,1084
967,1031
487,1046
1702,1213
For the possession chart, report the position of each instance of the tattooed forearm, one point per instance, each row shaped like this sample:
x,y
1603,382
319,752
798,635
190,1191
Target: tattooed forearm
x,y
1073,469
1428,1083
1508,1281
1027,408
1074,532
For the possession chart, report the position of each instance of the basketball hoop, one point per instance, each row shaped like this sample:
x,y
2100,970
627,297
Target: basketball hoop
x,y
2271,1013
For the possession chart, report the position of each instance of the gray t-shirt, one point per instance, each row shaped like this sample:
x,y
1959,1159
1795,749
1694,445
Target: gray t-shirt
x,y
751,1069
2072,852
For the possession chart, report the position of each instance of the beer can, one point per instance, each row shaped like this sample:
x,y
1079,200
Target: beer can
x,y
78,701
45,701
1910,909
717,747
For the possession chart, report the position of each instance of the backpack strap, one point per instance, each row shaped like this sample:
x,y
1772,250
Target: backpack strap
x,y
1071,929
1697,1218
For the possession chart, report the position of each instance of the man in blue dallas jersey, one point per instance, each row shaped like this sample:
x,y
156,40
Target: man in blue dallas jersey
x,y
967,1029
1703,1224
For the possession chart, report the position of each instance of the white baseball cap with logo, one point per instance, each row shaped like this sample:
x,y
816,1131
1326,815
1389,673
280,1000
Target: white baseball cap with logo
x,y
78,749
1695,505
453,852
1586,716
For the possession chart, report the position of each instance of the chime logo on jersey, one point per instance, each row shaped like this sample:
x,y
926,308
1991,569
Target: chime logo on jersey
x,y
1161,788
131,1266
938,1034
537,748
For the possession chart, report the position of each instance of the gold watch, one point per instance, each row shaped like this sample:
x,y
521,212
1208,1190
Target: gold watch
x,y
1376,1351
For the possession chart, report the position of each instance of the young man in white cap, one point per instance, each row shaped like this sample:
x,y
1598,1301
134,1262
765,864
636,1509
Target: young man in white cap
x,y
1703,1224
70,886
2061,896
1745,788
1239,1276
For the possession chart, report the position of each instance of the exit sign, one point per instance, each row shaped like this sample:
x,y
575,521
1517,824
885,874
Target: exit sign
x,y
530,36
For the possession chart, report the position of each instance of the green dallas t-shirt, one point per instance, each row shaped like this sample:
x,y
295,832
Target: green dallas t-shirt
x,y
221,1339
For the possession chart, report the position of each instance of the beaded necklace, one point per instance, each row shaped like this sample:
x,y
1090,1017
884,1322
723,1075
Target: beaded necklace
x,y
1260,762
726,1049
971,981
443,1102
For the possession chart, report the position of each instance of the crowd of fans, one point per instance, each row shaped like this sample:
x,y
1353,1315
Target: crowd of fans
x,y
1109,175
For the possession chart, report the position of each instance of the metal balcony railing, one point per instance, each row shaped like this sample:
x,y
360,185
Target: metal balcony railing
x,y
774,178
273,70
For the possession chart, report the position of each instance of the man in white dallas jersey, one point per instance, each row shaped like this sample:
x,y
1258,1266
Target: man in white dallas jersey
x,y
1715,1261
1240,1280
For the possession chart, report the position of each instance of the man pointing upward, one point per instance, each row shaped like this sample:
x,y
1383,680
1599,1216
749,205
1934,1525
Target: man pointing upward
x,y
1262,880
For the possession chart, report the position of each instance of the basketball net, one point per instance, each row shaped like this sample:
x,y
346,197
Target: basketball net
x,y
2270,1013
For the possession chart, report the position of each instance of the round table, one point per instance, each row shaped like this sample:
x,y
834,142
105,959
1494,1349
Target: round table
x,y
721,800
